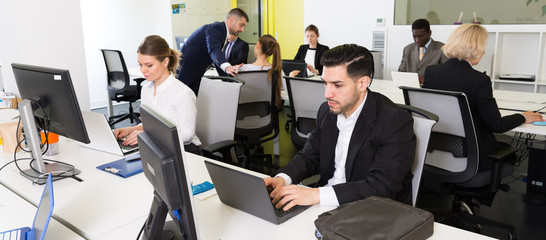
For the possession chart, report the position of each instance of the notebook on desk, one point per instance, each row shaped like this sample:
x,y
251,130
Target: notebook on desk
x,y
407,79
41,219
102,137
247,193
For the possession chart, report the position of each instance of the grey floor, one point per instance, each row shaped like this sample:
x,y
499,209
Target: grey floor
x,y
508,207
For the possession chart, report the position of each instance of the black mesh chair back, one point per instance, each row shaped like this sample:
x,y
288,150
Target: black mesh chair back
x,y
306,96
452,162
119,84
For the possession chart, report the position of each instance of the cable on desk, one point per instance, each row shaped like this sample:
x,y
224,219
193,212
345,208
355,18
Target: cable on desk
x,y
43,125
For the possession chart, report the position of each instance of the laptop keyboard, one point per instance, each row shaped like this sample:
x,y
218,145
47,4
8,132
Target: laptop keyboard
x,y
281,213
126,147
14,234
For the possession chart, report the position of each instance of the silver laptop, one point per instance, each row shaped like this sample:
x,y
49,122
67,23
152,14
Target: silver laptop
x,y
247,193
102,137
41,220
408,79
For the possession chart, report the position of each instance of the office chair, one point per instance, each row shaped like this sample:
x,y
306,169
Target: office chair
x,y
251,58
119,85
306,96
257,118
451,166
423,121
216,116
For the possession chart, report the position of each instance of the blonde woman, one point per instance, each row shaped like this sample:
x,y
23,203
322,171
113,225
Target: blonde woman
x,y
465,47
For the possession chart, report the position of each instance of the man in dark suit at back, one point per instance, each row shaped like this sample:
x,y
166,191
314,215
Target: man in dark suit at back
x,y
204,47
423,52
363,144
235,51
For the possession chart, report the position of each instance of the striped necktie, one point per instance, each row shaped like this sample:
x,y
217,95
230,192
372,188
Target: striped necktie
x,y
421,53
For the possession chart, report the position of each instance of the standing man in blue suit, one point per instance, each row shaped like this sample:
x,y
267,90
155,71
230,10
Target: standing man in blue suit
x,y
204,47
235,51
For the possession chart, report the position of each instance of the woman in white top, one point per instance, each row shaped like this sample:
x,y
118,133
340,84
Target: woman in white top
x,y
312,52
268,46
164,92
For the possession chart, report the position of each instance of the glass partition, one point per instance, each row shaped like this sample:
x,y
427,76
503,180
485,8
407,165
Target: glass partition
x,y
448,12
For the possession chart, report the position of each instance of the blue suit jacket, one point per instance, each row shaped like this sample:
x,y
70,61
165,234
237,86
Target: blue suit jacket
x,y
203,47
238,54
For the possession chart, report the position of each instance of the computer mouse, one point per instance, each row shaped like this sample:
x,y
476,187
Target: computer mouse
x,y
539,123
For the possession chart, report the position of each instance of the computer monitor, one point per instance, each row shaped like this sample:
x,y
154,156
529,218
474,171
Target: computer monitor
x,y
50,104
291,65
163,164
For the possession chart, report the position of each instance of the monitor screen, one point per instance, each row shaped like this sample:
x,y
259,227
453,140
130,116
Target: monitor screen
x,y
291,65
162,161
52,89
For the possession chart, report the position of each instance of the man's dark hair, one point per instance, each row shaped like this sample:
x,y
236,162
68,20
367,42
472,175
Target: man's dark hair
x,y
357,59
237,12
421,24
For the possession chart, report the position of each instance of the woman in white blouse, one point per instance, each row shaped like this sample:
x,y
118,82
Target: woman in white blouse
x,y
312,52
164,92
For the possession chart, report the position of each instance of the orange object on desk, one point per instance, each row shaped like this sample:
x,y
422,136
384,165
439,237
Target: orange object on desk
x,y
53,140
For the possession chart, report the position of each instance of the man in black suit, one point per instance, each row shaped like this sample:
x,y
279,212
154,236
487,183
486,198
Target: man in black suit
x,y
235,51
204,47
363,144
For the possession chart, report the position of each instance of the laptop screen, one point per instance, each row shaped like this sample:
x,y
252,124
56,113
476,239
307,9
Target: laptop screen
x,y
291,65
45,210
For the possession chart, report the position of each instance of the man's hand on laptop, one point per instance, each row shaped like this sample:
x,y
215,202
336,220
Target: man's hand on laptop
x,y
291,195
129,134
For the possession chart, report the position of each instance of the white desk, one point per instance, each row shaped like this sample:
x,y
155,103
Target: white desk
x,y
101,203
105,206
16,212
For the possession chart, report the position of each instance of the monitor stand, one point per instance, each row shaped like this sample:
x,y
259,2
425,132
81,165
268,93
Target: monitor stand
x,y
39,171
156,227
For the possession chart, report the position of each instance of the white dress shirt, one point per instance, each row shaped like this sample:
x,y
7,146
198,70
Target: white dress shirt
x,y
310,59
346,126
223,66
177,102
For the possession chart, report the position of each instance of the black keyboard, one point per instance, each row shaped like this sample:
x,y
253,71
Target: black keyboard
x,y
126,147
281,213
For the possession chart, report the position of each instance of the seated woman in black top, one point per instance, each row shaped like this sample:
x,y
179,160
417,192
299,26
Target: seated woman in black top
x,y
312,52
465,47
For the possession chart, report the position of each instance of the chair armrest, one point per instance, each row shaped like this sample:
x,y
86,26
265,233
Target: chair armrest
x,y
139,80
219,146
501,153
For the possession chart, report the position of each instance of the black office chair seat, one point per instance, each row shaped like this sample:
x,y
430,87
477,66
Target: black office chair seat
x,y
251,109
131,94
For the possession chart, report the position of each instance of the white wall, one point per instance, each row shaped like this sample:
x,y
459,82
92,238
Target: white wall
x,y
346,21
121,25
353,21
45,33
196,14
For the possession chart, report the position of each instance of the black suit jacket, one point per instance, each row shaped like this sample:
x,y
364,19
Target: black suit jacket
x,y
203,47
302,52
238,54
459,76
380,155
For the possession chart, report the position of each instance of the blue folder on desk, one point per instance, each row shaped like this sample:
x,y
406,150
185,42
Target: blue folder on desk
x,y
124,167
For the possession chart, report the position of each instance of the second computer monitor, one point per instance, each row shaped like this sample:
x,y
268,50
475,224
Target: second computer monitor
x,y
162,161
